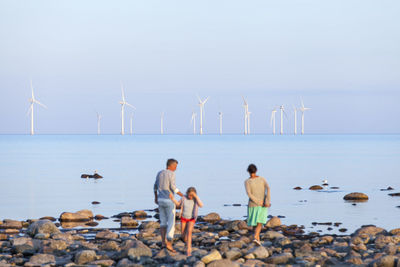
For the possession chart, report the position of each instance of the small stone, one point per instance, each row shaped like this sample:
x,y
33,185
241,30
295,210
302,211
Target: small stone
x,y
42,227
316,187
279,258
139,214
342,230
394,194
48,218
223,263
100,217
233,254
41,259
95,202
79,216
107,234
297,188
356,196
259,252
212,256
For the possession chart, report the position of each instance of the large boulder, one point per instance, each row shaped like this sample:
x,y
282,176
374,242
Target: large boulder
x,y
384,261
214,255
212,217
42,227
259,252
138,250
370,230
79,216
85,256
11,224
24,245
273,222
235,225
356,196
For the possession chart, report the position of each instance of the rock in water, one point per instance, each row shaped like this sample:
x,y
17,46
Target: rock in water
x,y
273,222
42,227
80,216
297,188
85,256
107,234
139,214
214,255
356,196
316,187
128,222
95,202
96,176
212,217
11,224
394,194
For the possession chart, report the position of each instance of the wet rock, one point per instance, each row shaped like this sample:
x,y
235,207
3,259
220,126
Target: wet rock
x,y
100,217
94,176
107,234
342,230
139,214
297,188
356,196
110,246
334,187
149,225
212,256
236,205
273,222
315,187
42,227
223,263
48,218
394,194
395,231
11,224
259,252
92,224
95,202
282,258
79,216
128,222
389,188
41,259
211,217
85,256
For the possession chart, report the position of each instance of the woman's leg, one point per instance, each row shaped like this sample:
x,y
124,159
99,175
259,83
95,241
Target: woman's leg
x,y
189,230
257,231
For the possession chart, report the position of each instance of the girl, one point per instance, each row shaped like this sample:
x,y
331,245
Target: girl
x,y
189,205
258,192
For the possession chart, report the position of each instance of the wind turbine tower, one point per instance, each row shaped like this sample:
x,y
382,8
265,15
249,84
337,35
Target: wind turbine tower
x,y
98,122
220,122
302,109
273,113
193,120
33,101
123,103
201,105
162,123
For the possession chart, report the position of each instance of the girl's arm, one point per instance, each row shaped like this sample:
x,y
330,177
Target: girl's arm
x,y
198,200
267,199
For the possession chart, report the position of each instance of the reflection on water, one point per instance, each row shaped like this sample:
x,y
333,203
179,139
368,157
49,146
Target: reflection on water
x,y
40,175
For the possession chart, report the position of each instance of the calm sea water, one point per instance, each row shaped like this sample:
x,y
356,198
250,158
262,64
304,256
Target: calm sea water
x,y
40,175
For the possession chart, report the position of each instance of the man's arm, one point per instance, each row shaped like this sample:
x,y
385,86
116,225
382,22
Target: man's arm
x,y
155,188
173,185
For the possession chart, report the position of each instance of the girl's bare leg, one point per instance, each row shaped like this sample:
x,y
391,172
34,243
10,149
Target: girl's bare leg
x,y
183,231
257,231
189,230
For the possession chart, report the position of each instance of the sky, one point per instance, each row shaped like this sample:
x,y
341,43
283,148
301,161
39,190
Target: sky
x,y
342,57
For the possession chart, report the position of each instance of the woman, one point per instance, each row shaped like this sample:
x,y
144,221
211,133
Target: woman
x,y
259,201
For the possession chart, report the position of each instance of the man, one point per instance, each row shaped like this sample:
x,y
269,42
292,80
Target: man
x,y
163,187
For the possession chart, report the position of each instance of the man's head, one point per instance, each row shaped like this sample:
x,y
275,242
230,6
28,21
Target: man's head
x,y
172,164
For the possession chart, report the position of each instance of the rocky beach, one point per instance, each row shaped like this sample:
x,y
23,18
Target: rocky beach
x,y
71,240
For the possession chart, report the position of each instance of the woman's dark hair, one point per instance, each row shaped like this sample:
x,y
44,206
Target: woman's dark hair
x,y
252,168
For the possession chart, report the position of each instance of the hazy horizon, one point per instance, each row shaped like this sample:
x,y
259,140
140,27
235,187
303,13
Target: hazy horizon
x,y
341,57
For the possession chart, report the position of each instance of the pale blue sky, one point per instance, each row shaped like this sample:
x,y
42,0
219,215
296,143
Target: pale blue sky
x,y
343,57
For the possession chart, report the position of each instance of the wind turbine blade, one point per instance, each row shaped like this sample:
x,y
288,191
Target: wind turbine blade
x,y
205,100
302,103
126,103
33,97
122,91
198,98
37,102
29,110
244,100
284,113
272,117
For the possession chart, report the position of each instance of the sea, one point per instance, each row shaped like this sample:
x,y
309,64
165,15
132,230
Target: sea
x,y
40,175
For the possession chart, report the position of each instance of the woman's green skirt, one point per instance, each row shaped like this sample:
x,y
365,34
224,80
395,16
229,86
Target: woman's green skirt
x,y
256,215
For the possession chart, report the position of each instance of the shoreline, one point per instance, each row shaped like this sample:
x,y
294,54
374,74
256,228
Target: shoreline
x,y
216,242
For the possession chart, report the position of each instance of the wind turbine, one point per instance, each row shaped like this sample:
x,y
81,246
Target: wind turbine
x,y
302,109
273,113
295,119
33,101
282,108
98,122
220,122
246,116
193,120
248,122
201,105
131,128
162,123
123,103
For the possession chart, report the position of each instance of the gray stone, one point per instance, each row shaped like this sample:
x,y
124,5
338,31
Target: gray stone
x,y
107,234
233,254
282,258
41,259
85,256
43,227
223,263
138,250
259,252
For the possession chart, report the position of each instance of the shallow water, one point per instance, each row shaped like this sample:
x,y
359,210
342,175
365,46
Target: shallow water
x,y
40,175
